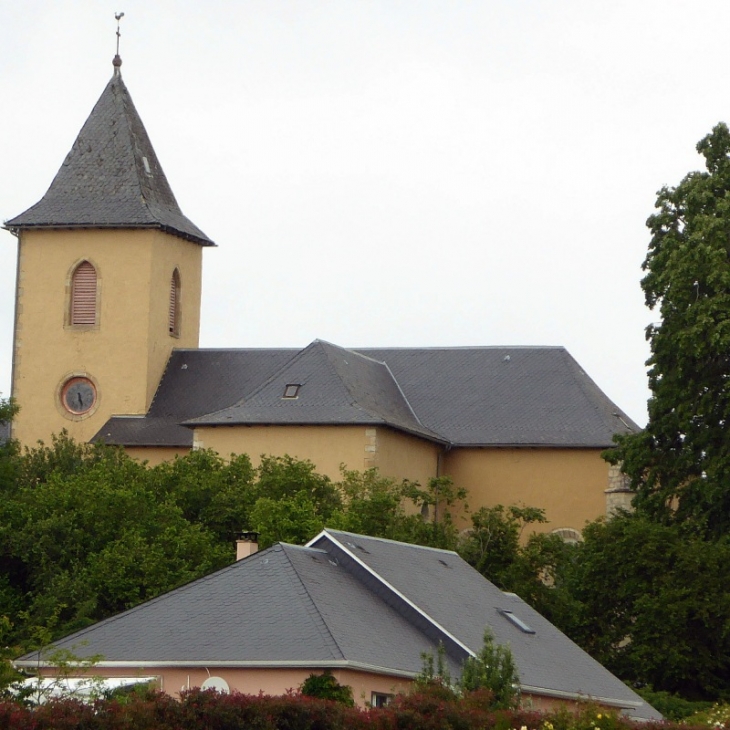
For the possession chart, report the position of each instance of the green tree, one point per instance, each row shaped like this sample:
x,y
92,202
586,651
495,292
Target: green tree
x,y
651,603
209,490
371,504
492,546
494,669
380,506
7,410
291,519
325,687
85,535
680,464
533,569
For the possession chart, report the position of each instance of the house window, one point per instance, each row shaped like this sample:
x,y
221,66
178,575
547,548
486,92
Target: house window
x,y
173,314
380,699
291,390
83,305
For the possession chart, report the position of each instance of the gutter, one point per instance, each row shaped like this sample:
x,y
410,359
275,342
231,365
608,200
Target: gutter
x,y
559,694
252,664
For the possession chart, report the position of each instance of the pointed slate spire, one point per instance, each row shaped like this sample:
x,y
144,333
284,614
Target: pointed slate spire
x,y
111,178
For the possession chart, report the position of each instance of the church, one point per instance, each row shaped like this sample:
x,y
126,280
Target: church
x,y
106,339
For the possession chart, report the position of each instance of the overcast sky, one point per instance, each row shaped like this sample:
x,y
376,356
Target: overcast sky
x,y
385,172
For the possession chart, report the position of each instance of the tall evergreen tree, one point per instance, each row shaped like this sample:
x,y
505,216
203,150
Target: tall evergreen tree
x,y
680,464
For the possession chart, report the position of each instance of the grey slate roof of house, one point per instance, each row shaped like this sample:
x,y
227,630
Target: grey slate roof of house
x,y
346,600
463,396
111,178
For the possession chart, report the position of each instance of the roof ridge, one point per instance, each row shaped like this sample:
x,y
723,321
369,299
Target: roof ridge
x,y
241,401
407,402
331,530
441,348
159,382
294,358
371,411
156,599
354,402
312,602
590,388
395,592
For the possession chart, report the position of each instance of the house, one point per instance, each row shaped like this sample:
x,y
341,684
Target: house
x,y
364,608
106,346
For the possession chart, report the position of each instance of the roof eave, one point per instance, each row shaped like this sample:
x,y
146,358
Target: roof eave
x,y
529,445
248,664
561,694
17,228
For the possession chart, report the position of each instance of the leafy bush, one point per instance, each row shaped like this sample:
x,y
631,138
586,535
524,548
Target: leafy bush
x,y
716,716
326,687
208,710
492,669
673,707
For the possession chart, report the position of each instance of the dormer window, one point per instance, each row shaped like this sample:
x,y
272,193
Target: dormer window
x,y
83,304
173,315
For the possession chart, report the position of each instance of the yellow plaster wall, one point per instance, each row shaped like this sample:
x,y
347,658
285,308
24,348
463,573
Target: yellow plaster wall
x,y
155,455
401,455
569,484
326,446
126,352
395,454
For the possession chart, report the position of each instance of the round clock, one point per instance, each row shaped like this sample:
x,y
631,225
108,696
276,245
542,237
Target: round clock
x,y
78,395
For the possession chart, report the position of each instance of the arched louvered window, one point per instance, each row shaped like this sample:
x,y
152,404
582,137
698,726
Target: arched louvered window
x,y
83,295
173,315
569,535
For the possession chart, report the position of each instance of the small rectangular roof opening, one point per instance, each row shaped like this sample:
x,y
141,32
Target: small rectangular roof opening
x,y
517,621
291,390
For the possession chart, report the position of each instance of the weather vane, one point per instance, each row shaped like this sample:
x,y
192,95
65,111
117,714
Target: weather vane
x,y
117,62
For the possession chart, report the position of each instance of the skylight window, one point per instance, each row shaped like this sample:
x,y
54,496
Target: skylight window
x,y
517,621
291,390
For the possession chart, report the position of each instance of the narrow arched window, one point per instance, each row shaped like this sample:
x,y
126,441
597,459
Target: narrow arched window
x,y
83,310
173,315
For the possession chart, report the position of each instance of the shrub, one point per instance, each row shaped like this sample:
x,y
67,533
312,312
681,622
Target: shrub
x,y
326,687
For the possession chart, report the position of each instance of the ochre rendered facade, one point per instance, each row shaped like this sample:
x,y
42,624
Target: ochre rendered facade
x,y
125,353
329,447
569,484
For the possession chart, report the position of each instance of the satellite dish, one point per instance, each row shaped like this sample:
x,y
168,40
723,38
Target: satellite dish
x,y
217,683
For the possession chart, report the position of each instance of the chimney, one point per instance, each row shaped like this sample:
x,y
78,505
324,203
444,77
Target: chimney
x,y
247,545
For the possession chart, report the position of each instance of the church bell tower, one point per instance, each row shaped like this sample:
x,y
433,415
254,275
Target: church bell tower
x,y
109,280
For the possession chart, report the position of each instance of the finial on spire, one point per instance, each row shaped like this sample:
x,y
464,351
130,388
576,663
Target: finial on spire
x,y
117,62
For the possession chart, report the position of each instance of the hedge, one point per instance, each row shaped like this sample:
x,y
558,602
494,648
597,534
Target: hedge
x,y
208,710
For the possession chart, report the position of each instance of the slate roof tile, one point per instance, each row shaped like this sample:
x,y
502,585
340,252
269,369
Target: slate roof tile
x,y
194,383
111,178
465,396
460,600
336,386
345,598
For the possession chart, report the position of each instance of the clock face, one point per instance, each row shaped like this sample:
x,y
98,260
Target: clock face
x,y
78,396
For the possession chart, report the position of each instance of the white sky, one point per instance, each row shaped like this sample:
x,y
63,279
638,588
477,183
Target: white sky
x,y
390,172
